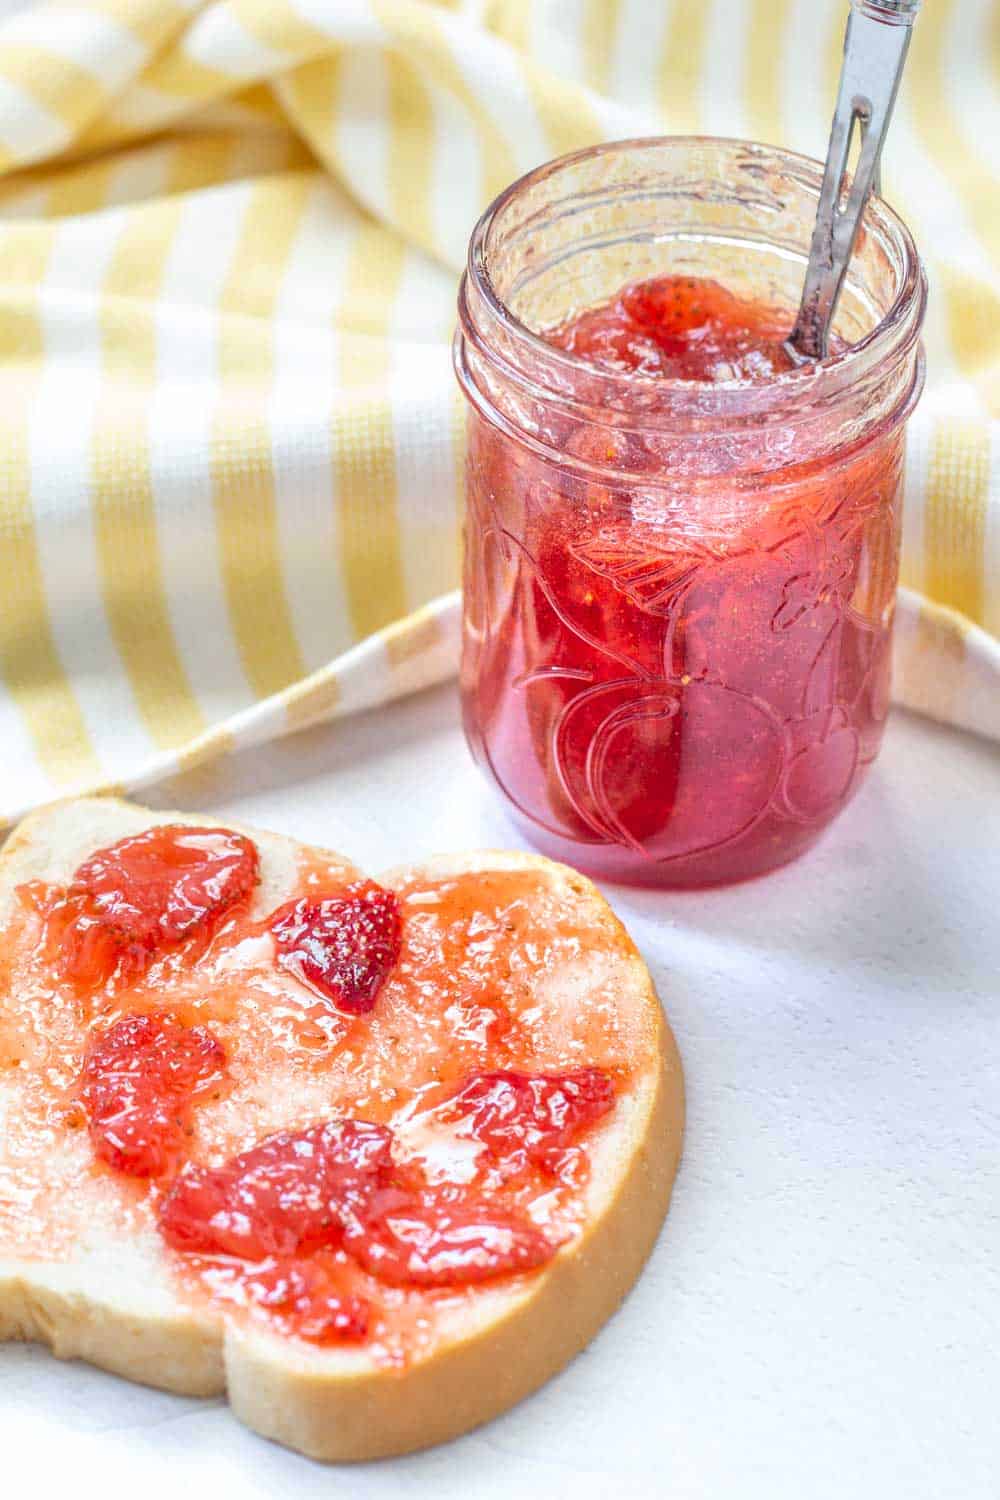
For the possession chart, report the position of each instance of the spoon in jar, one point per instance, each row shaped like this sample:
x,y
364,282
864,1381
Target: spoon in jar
x,y
875,47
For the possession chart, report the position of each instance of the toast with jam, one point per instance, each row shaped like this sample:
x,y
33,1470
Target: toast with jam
x,y
374,1158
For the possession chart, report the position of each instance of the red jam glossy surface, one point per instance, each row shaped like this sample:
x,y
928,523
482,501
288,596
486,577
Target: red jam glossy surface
x,y
342,947
441,1238
338,1185
681,681
522,1119
680,327
304,1298
138,1082
397,1158
291,1194
129,902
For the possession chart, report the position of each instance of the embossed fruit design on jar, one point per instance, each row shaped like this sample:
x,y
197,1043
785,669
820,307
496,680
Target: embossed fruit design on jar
x,y
681,548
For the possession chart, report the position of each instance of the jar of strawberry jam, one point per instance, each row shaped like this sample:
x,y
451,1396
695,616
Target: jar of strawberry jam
x,y
681,547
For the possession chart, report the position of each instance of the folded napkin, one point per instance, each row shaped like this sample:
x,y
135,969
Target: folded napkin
x,y
230,487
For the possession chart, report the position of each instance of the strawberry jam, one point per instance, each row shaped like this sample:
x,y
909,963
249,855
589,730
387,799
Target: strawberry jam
x,y
443,1239
521,1118
681,328
337,1184
291,1194
344,1184
146,895
301,1297
139,1079
681,542
676,650
342,947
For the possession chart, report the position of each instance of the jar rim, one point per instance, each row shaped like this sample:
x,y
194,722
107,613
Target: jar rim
x,y
892,337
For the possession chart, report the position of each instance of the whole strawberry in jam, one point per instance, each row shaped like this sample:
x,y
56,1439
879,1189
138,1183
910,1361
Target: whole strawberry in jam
x,y
342,947
138,1080
147,894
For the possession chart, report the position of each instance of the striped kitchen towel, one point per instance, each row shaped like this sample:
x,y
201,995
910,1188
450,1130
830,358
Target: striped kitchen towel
x,y
230,485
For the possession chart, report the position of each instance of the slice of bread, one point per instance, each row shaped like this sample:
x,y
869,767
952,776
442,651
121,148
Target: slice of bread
x,y
84,1268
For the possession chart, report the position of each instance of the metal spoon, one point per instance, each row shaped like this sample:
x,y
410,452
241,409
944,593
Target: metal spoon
x,y
875,47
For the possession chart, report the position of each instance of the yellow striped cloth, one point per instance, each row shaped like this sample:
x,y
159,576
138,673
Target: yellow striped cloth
x,y
229,238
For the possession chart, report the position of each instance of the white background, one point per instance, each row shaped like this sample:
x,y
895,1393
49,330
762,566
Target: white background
x,y
821,1317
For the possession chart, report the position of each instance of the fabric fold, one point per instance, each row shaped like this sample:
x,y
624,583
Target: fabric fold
x,y
230,497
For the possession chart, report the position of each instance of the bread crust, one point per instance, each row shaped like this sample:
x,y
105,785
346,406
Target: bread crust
x,y
340,1405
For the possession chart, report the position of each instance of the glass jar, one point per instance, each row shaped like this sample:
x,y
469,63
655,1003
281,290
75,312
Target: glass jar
x,y
678,595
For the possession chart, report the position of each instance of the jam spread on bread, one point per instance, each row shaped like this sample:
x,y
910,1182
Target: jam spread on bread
x,y
441,1118
169,885
302,1297
338,1185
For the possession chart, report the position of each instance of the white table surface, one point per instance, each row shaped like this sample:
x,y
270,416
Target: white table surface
x,y
821,1317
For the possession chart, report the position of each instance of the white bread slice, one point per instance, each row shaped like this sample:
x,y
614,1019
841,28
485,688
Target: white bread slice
x,y
93,1280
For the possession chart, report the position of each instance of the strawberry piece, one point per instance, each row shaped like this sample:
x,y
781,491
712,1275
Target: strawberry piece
x,y
427,1239
342,947
149,893
291,1194
138,1081
523,1117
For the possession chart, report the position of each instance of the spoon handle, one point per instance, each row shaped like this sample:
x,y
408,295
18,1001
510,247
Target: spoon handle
x,y
875,47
